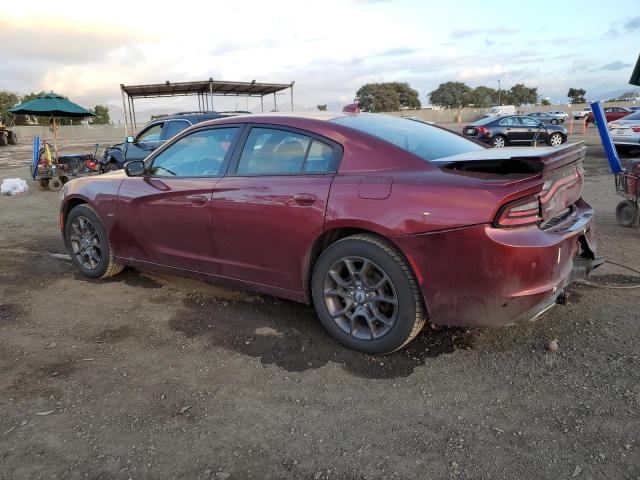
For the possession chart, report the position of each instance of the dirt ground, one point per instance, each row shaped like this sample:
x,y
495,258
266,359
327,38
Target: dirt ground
x,y
144,376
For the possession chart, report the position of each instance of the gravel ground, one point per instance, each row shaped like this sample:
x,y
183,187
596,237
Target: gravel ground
x,y
146,376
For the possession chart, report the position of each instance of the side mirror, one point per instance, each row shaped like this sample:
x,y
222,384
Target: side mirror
x,y
129,139
134,168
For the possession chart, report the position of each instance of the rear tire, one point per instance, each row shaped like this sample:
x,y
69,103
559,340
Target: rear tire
x,y
627,213
554,122
88,244
555,139
12,139
3,139
366,295
43,184
499,141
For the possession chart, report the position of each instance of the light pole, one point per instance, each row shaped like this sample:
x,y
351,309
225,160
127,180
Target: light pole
x,y
499,102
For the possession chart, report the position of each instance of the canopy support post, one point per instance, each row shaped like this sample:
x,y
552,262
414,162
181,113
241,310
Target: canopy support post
x,y
124,110
275,102
291,90
262,103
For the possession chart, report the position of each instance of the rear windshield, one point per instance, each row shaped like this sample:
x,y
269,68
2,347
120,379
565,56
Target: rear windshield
x,y
485,120
418,138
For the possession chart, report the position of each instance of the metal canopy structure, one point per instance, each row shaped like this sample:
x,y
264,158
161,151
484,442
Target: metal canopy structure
x,y
205,90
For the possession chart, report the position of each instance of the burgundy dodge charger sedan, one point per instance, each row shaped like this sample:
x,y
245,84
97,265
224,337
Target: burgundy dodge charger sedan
x,y
382,222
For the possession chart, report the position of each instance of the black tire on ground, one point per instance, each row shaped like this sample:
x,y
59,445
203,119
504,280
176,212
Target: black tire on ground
x,y
109,167
63,179
3,139
106,266
55,185
43,184
12,138
498,141
408,313
554,121
627,213
623,148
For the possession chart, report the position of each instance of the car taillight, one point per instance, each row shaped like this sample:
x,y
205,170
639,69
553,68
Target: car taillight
x,y
636,128
521,212
482,130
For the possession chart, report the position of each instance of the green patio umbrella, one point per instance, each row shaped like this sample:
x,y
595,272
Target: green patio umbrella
x,y
53,105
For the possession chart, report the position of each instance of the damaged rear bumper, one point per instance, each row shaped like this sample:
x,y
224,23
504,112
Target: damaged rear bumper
x,y
481,276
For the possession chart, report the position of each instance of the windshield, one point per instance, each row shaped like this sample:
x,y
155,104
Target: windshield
x,y
421,139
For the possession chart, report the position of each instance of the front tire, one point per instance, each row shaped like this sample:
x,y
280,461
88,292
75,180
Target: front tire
x,y
366,295
12,139
554,122
88,244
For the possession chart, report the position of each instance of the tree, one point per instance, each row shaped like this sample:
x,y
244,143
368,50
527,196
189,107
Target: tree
x,y
577,95
484,97
545,101
7,100
322,108
378,97
520,93
387,97
409,97
101,115
451,95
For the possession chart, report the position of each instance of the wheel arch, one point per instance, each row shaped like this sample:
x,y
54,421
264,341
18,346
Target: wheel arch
x,y
332,235
69,204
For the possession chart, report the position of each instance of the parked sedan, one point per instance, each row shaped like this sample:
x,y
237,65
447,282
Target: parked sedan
x,y
563,116
611,114
626,132
380,222
545,117
515,130
582,114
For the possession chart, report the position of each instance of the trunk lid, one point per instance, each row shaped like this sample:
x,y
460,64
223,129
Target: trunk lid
x,y
556,171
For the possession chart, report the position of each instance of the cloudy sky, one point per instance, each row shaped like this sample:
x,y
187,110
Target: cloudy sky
x,y
85,50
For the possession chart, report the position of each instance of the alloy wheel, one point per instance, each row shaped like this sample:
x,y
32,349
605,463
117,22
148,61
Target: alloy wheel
x,y
498,142
555,140
85,243
360,298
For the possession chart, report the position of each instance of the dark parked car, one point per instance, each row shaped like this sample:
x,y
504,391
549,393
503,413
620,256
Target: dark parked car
x,y
545,117
383,223
515,130
151,136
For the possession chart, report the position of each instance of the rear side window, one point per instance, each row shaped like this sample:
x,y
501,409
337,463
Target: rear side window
x,y
509,121
421,139
270,151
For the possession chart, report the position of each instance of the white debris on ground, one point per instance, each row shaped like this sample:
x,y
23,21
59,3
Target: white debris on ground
x,y
13,186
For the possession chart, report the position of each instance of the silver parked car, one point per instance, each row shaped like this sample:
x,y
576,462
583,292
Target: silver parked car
x,y
563,116
545,118
626,132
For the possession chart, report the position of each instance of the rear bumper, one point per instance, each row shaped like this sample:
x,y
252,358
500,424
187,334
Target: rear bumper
x,y
488,277
626,139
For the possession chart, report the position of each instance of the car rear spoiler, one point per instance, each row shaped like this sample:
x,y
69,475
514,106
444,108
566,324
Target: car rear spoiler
x,y
515,160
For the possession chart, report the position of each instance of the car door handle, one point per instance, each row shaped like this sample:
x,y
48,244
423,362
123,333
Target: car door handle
x,y
197,199
304,198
